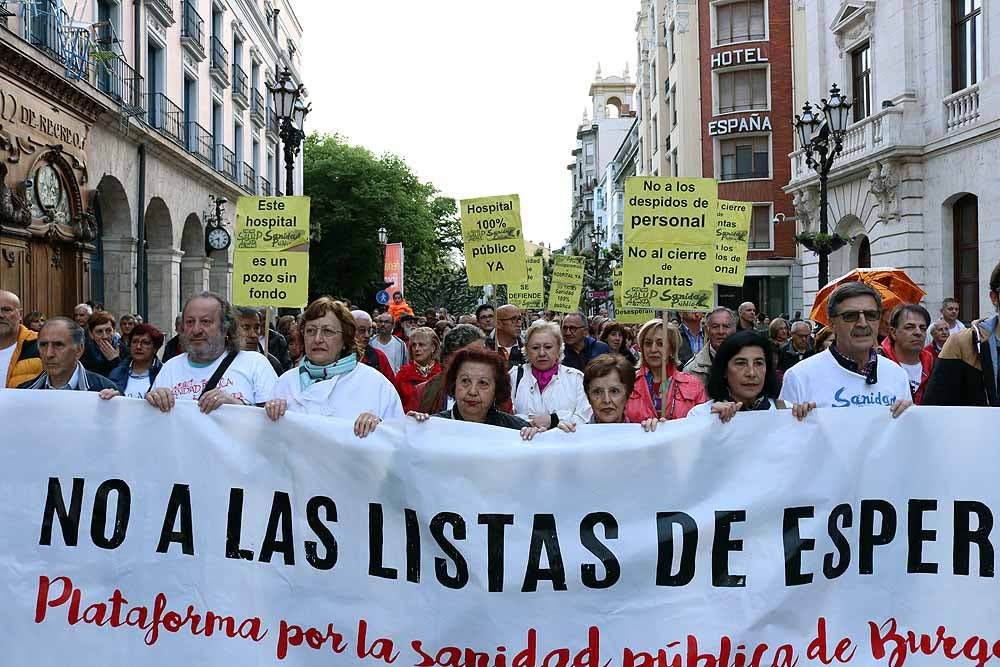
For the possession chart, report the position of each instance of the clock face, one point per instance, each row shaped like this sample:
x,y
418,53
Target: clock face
x,y
218,239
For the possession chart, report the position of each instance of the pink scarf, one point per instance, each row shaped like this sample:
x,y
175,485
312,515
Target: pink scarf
x,y
544,377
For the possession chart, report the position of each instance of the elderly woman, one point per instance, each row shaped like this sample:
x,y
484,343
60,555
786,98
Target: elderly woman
x,y
136,373
545,391
608,382
425,350
619,340
824,339
778,331
938,334
743,378
478,380
668,395
329,380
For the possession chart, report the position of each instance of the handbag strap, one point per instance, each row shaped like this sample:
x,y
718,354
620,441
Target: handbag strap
x,y
217,375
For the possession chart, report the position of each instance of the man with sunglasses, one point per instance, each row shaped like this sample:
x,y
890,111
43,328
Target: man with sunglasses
x,y
850,374
966,370
579,347
505,338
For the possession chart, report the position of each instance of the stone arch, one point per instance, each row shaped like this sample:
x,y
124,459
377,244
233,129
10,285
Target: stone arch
x,y
194,265
163,271
116,256
846,259
613,109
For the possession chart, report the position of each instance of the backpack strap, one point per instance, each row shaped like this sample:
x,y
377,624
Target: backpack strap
x,y
520,375
217,375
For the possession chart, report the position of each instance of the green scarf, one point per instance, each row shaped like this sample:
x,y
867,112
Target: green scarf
x,y
310,373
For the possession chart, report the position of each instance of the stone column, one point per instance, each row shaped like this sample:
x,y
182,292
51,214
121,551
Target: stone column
x,y
221,275
194,276
120,278
164,287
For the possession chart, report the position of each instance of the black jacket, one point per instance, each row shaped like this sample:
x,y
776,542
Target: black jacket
x,y
516,357
278,346
788,356
94,360
95,382
494,418
964,373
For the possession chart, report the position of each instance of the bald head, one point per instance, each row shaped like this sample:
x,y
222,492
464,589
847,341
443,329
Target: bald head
x,y
10,318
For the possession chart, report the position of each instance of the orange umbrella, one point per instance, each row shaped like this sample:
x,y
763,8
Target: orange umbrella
x,y
893,284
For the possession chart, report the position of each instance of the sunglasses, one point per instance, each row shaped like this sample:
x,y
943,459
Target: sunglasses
x,y
851,316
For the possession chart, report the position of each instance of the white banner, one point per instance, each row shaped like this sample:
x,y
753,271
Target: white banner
x,y
131,537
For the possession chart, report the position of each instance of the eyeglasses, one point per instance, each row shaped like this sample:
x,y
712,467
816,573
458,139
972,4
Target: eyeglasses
x,y
570,329
516,318
141,342
325,332
364,329
851,316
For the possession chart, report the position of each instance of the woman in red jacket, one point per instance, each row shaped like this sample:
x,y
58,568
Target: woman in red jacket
x,y
649,397
425,350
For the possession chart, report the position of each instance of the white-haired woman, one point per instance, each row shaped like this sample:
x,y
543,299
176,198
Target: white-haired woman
x,y
545,392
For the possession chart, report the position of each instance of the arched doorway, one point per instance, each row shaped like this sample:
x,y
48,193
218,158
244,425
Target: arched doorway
x,y
164,261
195,265
862,252
116,270
965,225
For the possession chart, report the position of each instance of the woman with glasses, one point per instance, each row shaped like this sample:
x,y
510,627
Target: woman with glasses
x,y
545,392
329,380
136,373
661,389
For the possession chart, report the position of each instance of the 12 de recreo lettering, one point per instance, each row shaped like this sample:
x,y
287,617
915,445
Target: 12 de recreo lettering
x,y
815,542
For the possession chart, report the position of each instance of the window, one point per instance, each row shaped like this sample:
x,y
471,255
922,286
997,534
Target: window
x,y
655,136
966,42
740,21
744,158
673,107
670,44
673,162
652,78
589,152
760,227
861,79
743,90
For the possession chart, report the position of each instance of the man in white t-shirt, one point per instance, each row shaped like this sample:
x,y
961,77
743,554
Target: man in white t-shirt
x,y
950,308
210,337
850,374
393,348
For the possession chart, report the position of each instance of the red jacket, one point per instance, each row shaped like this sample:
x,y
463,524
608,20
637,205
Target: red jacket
x,y
377,360
407,380
685,392
926,360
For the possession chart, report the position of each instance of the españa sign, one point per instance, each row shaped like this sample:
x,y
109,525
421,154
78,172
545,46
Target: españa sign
x,y
494,245
271,257
225,539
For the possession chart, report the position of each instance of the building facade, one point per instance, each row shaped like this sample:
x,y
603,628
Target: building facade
x,y
597,142
919,157
123,128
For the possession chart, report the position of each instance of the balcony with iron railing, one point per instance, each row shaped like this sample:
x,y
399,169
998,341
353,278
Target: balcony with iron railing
x,y
257,108
265,187
200,142
192,31
249,180
43,27
122,83
220,62
162,9
241,97
225,162
166,118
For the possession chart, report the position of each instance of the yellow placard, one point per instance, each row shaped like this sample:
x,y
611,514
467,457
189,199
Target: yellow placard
x,y
271,279
624,314
676,278
732,237
271,224
568,269
529,294
674,211
564,297
494,245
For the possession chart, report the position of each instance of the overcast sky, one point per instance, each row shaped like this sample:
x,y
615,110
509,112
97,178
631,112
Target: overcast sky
x,y
479,97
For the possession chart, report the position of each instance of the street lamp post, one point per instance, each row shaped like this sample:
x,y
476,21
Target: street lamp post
x,y
381,283
822,140
291,112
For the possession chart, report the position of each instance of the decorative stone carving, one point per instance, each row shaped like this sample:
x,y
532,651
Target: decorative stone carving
x,y
14,208
806,203
883,180
154,25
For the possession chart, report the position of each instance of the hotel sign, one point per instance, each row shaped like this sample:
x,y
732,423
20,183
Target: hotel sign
x,y
738,57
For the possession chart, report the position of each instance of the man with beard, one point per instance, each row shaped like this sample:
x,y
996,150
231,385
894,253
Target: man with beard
x,y
214,370
850,373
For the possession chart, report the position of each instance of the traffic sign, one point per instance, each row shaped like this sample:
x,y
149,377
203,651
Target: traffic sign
x,y
382,296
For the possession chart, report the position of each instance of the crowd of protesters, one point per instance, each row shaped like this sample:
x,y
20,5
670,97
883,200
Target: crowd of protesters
x,y
501,366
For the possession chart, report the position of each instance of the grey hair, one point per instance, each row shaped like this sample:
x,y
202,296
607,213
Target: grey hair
x,y
230,323
246,312
794,324
579,313
76,332
459,337
544,326
361,313
723,309
744,305
84,305
849,291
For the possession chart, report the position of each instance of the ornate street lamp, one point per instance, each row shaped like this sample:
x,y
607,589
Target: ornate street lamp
x,y
380,283
291,112
822,140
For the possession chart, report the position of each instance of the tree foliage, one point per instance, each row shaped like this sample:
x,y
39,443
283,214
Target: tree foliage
x,y
354,192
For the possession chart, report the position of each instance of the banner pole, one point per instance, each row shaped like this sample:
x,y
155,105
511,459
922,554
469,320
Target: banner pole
x,y
663,367
267,328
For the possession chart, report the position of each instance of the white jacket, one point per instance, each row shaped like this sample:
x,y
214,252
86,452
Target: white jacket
x,y
362,390
564,395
